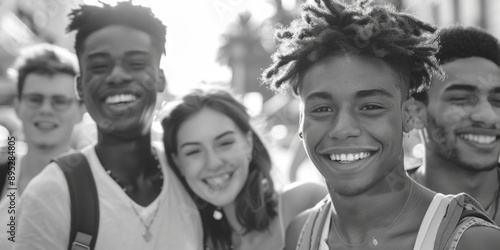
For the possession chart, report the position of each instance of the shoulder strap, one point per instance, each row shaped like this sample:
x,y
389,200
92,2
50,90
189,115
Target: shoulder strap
x,y
310,236
461,206
84,201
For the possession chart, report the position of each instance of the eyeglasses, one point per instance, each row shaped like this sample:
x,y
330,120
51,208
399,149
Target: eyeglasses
x,y
58,103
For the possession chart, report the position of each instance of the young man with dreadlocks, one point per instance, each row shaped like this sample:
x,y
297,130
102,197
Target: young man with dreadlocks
x,y
141,204
459,117
354,68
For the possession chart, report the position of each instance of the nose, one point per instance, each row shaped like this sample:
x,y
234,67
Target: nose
x,y
46,106
344,125
213,160
119,75
485,114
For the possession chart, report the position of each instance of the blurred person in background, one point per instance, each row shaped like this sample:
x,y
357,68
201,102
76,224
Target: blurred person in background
x,y
48,108
211,144
140,202
459,117
354,68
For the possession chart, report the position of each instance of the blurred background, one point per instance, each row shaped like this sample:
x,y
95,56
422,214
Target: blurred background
x,y
221,42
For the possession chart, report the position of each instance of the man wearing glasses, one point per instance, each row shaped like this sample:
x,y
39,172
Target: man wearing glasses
x,y
47,106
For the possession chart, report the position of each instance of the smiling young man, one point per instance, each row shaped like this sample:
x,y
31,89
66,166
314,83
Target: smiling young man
x,y
49,110
460,117
354,69
141,204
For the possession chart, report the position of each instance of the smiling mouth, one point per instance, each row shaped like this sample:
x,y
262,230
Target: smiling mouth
x,y
219,181
121,99
479,139
349,158
45,125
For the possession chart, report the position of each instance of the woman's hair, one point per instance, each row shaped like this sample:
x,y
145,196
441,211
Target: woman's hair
x,y
256,203
327,28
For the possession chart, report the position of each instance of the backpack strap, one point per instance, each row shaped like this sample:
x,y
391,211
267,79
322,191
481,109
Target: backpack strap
x,y
84,201
461,206
310,235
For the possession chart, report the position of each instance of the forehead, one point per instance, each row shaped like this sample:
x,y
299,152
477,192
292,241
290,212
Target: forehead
x,y
205,124
478,73
58,84
344,76
116,40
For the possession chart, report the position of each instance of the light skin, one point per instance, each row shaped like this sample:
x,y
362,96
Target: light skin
x,y
213,155
46,130
462,119
353,105
120,78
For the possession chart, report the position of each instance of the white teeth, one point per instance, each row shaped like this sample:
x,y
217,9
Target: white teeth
x,y
122,98
349,157
481,139
218,181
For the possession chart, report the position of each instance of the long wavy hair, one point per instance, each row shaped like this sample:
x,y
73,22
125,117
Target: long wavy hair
x,y
256,202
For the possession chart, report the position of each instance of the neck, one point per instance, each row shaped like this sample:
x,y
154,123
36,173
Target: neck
x,y
441,175
127,159
357,219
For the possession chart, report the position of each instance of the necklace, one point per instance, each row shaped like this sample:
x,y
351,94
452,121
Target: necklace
x,y
158,166
147,234
374,238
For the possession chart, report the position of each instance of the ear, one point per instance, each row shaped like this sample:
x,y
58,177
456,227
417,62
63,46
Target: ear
x,y
418,112
162,82
17,103
78,87
408,122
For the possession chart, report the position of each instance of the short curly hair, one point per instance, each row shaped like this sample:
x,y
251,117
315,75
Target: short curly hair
x,y
462,42
88,19
327,28
457,42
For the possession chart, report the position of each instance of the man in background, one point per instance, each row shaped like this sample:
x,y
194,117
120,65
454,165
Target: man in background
x,y
459,117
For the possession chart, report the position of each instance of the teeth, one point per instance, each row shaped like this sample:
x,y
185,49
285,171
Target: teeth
x,y
120,98
218,181
349,157
481,139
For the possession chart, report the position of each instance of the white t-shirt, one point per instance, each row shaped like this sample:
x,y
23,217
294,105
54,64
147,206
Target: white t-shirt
x,y
44,221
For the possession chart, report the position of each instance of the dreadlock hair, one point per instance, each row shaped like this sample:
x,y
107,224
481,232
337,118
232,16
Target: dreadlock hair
x,y
44,59
88,19
457,42
256,202
327,28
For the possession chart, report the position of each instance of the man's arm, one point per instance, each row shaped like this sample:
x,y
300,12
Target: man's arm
x,y
44,216
480,237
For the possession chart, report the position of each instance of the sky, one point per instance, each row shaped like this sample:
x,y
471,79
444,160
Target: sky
x,y
193,36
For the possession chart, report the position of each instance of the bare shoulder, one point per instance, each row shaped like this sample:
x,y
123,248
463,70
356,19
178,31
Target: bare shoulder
x,y
300,196
480,237
294,229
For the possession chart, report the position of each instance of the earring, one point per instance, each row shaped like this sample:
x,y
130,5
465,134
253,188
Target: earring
x,y
77,94
217,214
264,183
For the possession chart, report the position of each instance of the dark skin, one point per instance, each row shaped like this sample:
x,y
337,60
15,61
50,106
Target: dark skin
x,y
119,82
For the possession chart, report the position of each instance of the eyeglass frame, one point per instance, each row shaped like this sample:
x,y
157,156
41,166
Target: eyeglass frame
x,y
35,105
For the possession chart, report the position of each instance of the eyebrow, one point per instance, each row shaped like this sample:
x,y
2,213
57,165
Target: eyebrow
x,y
216,138
128,53
318,96
463,87
373,93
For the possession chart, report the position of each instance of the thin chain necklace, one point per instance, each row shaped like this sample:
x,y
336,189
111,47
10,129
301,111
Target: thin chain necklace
x,y
374,238
147,233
